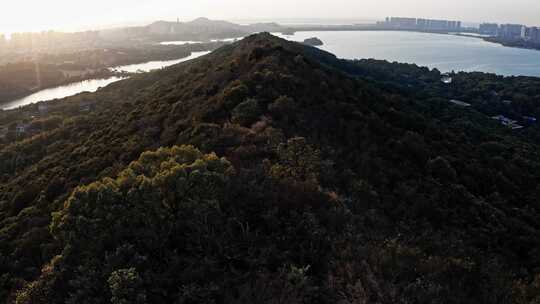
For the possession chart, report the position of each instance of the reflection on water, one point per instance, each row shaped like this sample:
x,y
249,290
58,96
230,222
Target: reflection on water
x,y
154,65
227,39
94,84
182,42
444,52
61,92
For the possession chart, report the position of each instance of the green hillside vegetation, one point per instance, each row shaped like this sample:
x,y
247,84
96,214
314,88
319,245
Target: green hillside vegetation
x,y
272,172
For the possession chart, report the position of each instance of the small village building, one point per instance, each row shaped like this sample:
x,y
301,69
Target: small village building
x,y
460,103
530,119
85,107
4,130
507,122
446,79
43,108
21,128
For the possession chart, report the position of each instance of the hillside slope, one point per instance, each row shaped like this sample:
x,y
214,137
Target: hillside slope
x,y
200,29
288,176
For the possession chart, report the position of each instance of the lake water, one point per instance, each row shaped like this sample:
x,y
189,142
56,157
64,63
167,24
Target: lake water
x,y
227,39
154,65
93,84
61,92
183,42
445,52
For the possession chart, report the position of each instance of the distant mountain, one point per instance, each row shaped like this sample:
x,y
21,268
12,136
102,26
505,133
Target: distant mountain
x,y
200,29
271,172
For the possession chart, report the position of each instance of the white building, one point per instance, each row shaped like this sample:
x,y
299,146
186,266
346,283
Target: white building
x,y
3,131
21,128
43,108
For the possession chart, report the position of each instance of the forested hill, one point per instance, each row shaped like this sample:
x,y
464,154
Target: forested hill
x,y
270,172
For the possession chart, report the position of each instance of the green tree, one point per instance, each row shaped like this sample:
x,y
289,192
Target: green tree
x,y
126,287
298,161
441,169
247,112
157,205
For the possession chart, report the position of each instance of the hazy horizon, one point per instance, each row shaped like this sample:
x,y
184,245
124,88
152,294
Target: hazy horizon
x,y
64,15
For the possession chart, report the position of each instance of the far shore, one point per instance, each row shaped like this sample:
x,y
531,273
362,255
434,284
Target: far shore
x,y
370,28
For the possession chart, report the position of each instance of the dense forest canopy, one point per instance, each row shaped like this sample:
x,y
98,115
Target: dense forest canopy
x,y
273,172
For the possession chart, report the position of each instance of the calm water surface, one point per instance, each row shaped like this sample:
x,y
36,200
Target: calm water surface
x,y
61,92
183,42
445,52
154,65
94,84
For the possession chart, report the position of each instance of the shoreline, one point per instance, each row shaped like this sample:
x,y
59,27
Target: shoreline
x,y
113,71
509,45
365,29
162,53
98,76
106,73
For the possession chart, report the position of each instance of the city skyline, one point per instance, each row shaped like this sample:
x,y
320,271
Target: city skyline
x,y
66,15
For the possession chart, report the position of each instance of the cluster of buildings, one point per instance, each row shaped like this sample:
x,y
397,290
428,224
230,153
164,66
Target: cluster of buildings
x,y
502,31
507,122
513,124
26,126
420,24
21,128
531,34
4,130
491,29
48,40
511,31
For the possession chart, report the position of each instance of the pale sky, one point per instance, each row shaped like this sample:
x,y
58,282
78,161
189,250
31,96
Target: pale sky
x,y
35,15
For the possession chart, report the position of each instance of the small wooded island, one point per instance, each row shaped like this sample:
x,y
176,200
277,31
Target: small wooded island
x,y
314,41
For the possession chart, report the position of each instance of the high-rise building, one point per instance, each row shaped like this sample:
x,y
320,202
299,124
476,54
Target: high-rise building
x,y
535,34
404,23
525,33
422,24
510,31
491,29
531,34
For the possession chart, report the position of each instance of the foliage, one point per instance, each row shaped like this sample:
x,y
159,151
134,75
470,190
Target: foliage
x,y
336,182
246,113
125,287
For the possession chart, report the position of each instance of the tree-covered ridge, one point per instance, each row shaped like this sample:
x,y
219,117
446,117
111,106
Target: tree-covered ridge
x,y
154,210
348,185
